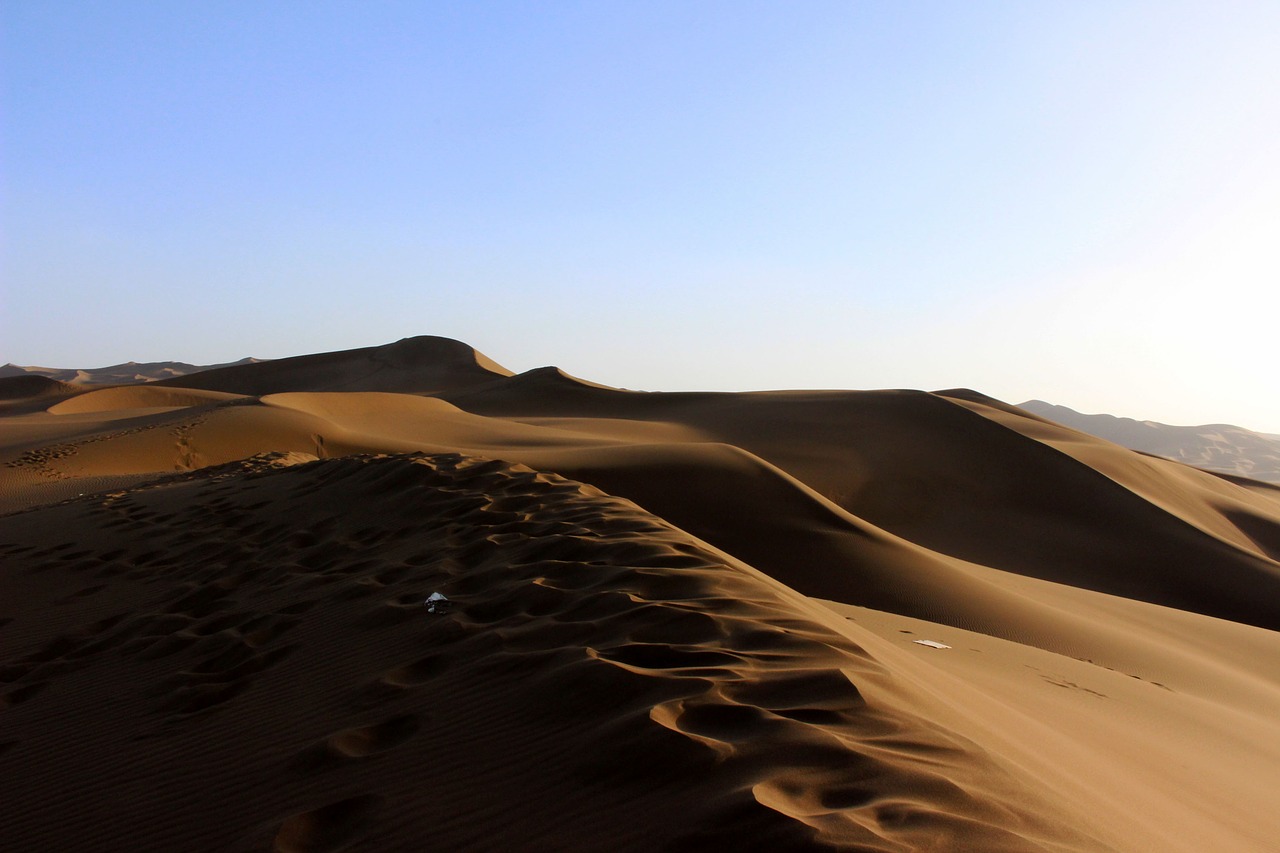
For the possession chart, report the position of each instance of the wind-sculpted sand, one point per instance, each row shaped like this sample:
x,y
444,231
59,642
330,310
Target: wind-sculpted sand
x,y
674,621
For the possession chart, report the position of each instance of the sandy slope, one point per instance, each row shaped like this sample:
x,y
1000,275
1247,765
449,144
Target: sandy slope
x,y
33,386
253,635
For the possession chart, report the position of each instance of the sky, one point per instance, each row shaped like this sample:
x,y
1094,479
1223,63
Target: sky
x,y
1074,201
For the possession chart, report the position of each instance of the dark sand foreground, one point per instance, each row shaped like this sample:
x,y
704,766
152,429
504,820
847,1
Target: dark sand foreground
x,y
676,621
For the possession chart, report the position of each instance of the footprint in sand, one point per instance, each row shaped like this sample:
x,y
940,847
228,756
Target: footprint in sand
x,y
327,828
356,743
87,591
21,694
364,741
396,682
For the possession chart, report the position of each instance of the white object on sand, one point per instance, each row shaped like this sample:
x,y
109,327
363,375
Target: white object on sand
x,y
437,603
933,644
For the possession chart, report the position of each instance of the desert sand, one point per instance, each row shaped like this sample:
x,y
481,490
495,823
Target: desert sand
x,y
789,620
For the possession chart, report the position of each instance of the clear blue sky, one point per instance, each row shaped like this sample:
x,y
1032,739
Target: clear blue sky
x,y
1077,201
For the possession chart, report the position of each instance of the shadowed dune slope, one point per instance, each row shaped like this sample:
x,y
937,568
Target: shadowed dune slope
x,y
30,386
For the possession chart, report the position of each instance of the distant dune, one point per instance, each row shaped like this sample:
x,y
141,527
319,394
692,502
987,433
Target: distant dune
x,y
1215,447
30,386
791,620
410,366
129,373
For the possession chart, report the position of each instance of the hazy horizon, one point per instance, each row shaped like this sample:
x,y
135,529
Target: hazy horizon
x,y
1075,203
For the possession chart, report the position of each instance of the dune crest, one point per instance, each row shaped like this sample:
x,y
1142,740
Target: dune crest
x,y
139,397
33,386
412,365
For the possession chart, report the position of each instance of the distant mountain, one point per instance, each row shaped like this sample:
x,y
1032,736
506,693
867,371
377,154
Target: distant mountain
x,y
1221,448
129,373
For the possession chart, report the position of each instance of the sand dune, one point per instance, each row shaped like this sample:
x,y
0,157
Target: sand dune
x,y
128,373
136,397
33,387
695,605
413,365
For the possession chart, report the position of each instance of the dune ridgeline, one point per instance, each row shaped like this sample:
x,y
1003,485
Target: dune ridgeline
x,y
794,620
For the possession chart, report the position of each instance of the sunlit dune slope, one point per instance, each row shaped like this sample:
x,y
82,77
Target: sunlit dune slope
x,y
138,397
